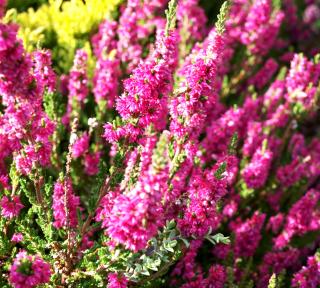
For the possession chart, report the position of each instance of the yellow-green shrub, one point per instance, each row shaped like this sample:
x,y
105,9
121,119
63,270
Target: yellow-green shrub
x,y
62,26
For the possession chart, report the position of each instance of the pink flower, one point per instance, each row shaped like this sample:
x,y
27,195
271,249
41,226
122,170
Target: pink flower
x,y
188,108
196,24
103,212
32,155
4,181
107,72
23,122
301,82
261,27
273,96
311,14
145,96
302,218
220,131
29,271
255,174
17,237
10,207
112,134
80,146
136,23
106,81
217,277
91,163
186,268
116,281
86,243
253,139
104,41
230,209
221,251
275,223
308,276
265,74
248,234
275,262
201,212
135,218
291,173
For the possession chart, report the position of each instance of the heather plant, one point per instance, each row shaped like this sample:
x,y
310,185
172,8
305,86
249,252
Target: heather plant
x,y
149,148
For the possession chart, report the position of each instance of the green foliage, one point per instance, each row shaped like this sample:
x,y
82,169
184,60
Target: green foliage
x,y
171,16
140,268
220,171
245,191
276,4
217,238
14,177
159,157
162,252
222,17
52,104
23,5
4,242
232,149
273,281
99,182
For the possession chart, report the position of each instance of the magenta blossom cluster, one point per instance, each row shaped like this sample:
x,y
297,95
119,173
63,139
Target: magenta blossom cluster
x,y
308,276
10,208
261,27
115,281
29,271
25,128
145,92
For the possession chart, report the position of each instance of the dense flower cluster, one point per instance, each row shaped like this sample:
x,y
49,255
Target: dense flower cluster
x,y
24,127
10,207
114,281
309,275
261,27
29,271
173,153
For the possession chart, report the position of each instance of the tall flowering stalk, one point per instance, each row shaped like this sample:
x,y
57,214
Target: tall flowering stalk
x,y
140,209
187,108
146,92
77,86
25,127
107,72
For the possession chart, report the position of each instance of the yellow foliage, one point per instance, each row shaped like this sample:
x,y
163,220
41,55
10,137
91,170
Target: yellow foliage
x,y
63,26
